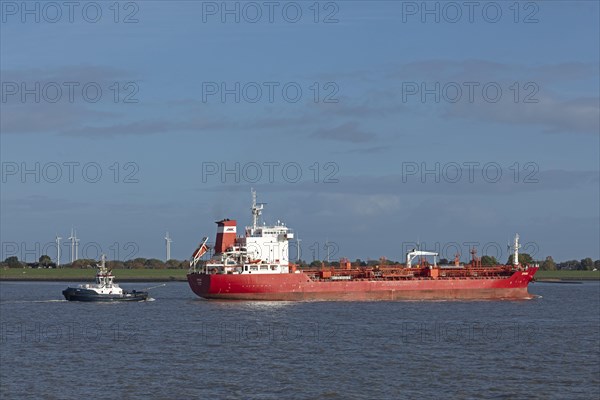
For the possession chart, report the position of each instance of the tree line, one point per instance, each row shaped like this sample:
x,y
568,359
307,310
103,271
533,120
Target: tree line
x,y
136,263
548,264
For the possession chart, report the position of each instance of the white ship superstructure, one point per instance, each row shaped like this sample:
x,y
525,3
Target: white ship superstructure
x,y
264,249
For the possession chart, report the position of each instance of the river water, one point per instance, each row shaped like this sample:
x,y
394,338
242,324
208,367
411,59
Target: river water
x,y
179,346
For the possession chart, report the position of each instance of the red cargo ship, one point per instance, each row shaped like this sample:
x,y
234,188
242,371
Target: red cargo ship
x,y
256,267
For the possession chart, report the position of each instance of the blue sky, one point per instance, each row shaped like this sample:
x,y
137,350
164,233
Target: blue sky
x,y
369,132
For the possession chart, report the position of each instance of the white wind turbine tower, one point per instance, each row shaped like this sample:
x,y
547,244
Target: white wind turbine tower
x,y
58,238
74,245
168,242
298,240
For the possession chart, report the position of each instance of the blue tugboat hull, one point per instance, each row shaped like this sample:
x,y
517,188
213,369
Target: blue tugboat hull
x,y
77,294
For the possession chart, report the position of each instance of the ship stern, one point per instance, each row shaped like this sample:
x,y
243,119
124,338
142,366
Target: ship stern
x,y
200,284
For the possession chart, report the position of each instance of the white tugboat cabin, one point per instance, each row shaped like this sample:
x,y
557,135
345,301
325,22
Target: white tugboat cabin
x,y
104,280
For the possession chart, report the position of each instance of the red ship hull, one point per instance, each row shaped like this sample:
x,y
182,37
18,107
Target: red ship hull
x,y
299,286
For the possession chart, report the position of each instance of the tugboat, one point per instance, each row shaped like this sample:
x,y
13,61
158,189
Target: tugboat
x,y
104,289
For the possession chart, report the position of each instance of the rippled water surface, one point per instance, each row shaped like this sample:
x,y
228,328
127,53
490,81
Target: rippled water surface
x,y
180,346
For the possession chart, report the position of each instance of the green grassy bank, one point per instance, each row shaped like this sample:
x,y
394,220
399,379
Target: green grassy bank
x,y
69,274
567,275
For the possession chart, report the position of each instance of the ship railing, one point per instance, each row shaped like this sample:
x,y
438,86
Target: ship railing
x,y
401,272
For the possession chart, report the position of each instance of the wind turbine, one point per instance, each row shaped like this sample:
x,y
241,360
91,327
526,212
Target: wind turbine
x,y
515,247
74,245
58,238
298,240
72,239
168,243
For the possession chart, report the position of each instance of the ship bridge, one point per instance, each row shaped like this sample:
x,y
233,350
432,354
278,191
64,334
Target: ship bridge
x,y
268,243
263,248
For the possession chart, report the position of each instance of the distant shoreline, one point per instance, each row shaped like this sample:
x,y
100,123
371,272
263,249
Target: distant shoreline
x,y
566,280
179,275
124,280
566,276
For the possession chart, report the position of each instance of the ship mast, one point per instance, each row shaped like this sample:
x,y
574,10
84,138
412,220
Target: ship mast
x,y
256,209
103,277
